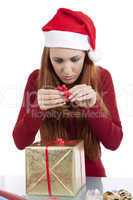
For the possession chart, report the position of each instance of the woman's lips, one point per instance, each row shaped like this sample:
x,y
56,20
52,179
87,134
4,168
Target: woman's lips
x,y
68,77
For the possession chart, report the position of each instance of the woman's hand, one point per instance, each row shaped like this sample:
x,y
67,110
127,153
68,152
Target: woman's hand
x,y
83,95
50,98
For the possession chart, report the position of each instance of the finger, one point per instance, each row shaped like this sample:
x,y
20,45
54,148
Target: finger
x,y
49,92
51,106
52,102
86,97
81,103
92,101
88,100
58,105
76,87
82,87
50,97
74,94
81,92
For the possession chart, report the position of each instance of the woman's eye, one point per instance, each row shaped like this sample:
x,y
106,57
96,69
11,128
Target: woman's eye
x,y
58,61
74,60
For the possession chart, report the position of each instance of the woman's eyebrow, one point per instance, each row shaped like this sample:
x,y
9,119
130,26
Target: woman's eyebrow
x,y
77,56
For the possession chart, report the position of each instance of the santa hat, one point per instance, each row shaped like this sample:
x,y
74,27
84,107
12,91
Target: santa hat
x,y
71,29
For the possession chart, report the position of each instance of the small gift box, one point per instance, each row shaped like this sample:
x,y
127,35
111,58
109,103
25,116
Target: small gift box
x,y
55,168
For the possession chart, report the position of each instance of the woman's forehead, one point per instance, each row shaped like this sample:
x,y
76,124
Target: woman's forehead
x,y
65,52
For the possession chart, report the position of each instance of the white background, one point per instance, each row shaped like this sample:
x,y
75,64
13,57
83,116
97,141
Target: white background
x,y
21,44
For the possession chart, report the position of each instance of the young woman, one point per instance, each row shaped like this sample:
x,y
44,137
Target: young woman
x,y
89,110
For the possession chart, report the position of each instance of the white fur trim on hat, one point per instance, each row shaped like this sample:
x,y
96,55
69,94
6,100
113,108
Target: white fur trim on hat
x,y
66,39
94,55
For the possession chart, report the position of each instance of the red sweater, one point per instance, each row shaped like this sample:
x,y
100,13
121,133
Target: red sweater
x,y
107,129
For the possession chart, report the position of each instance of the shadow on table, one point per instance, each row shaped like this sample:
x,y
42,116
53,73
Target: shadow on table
x,y
92,184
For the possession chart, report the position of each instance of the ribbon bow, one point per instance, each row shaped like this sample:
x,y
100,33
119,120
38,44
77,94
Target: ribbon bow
x,y
63,88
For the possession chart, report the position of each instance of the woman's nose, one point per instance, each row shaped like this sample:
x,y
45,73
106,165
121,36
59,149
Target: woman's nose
x,y
67,69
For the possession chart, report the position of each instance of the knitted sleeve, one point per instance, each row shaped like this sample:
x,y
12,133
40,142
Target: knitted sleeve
x,y
30,115
107,128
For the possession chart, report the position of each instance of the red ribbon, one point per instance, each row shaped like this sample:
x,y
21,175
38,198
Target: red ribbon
x,y
47,171
63,88
59,141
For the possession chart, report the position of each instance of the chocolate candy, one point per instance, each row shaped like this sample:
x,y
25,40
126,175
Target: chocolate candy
x,y
111,196
125,195
117,195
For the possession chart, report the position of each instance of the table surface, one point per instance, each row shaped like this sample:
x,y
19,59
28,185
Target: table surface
x,y
16,184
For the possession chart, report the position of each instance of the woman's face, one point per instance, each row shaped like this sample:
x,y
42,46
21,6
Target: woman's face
x,y
67,63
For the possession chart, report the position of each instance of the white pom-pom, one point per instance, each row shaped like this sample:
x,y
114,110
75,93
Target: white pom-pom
x,y
94,55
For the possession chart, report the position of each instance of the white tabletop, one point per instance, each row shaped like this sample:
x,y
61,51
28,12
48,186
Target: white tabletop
x,y
16,184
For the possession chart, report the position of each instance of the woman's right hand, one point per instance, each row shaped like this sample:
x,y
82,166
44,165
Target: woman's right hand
x,y
50,98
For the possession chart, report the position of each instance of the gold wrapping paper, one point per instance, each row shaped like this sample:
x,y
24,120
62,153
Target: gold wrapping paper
x,y
66,168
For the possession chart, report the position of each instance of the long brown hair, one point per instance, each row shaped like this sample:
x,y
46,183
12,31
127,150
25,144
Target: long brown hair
x,y
56,121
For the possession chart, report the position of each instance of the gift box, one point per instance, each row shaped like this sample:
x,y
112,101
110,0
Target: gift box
x,y
55,168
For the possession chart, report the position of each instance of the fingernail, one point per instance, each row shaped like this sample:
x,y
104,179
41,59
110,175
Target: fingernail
x,y
69,97
72,100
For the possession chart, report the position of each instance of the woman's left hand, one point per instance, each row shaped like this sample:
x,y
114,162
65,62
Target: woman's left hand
x,y
83,95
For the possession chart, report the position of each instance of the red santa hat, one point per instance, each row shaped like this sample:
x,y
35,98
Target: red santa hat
x,y
71,29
